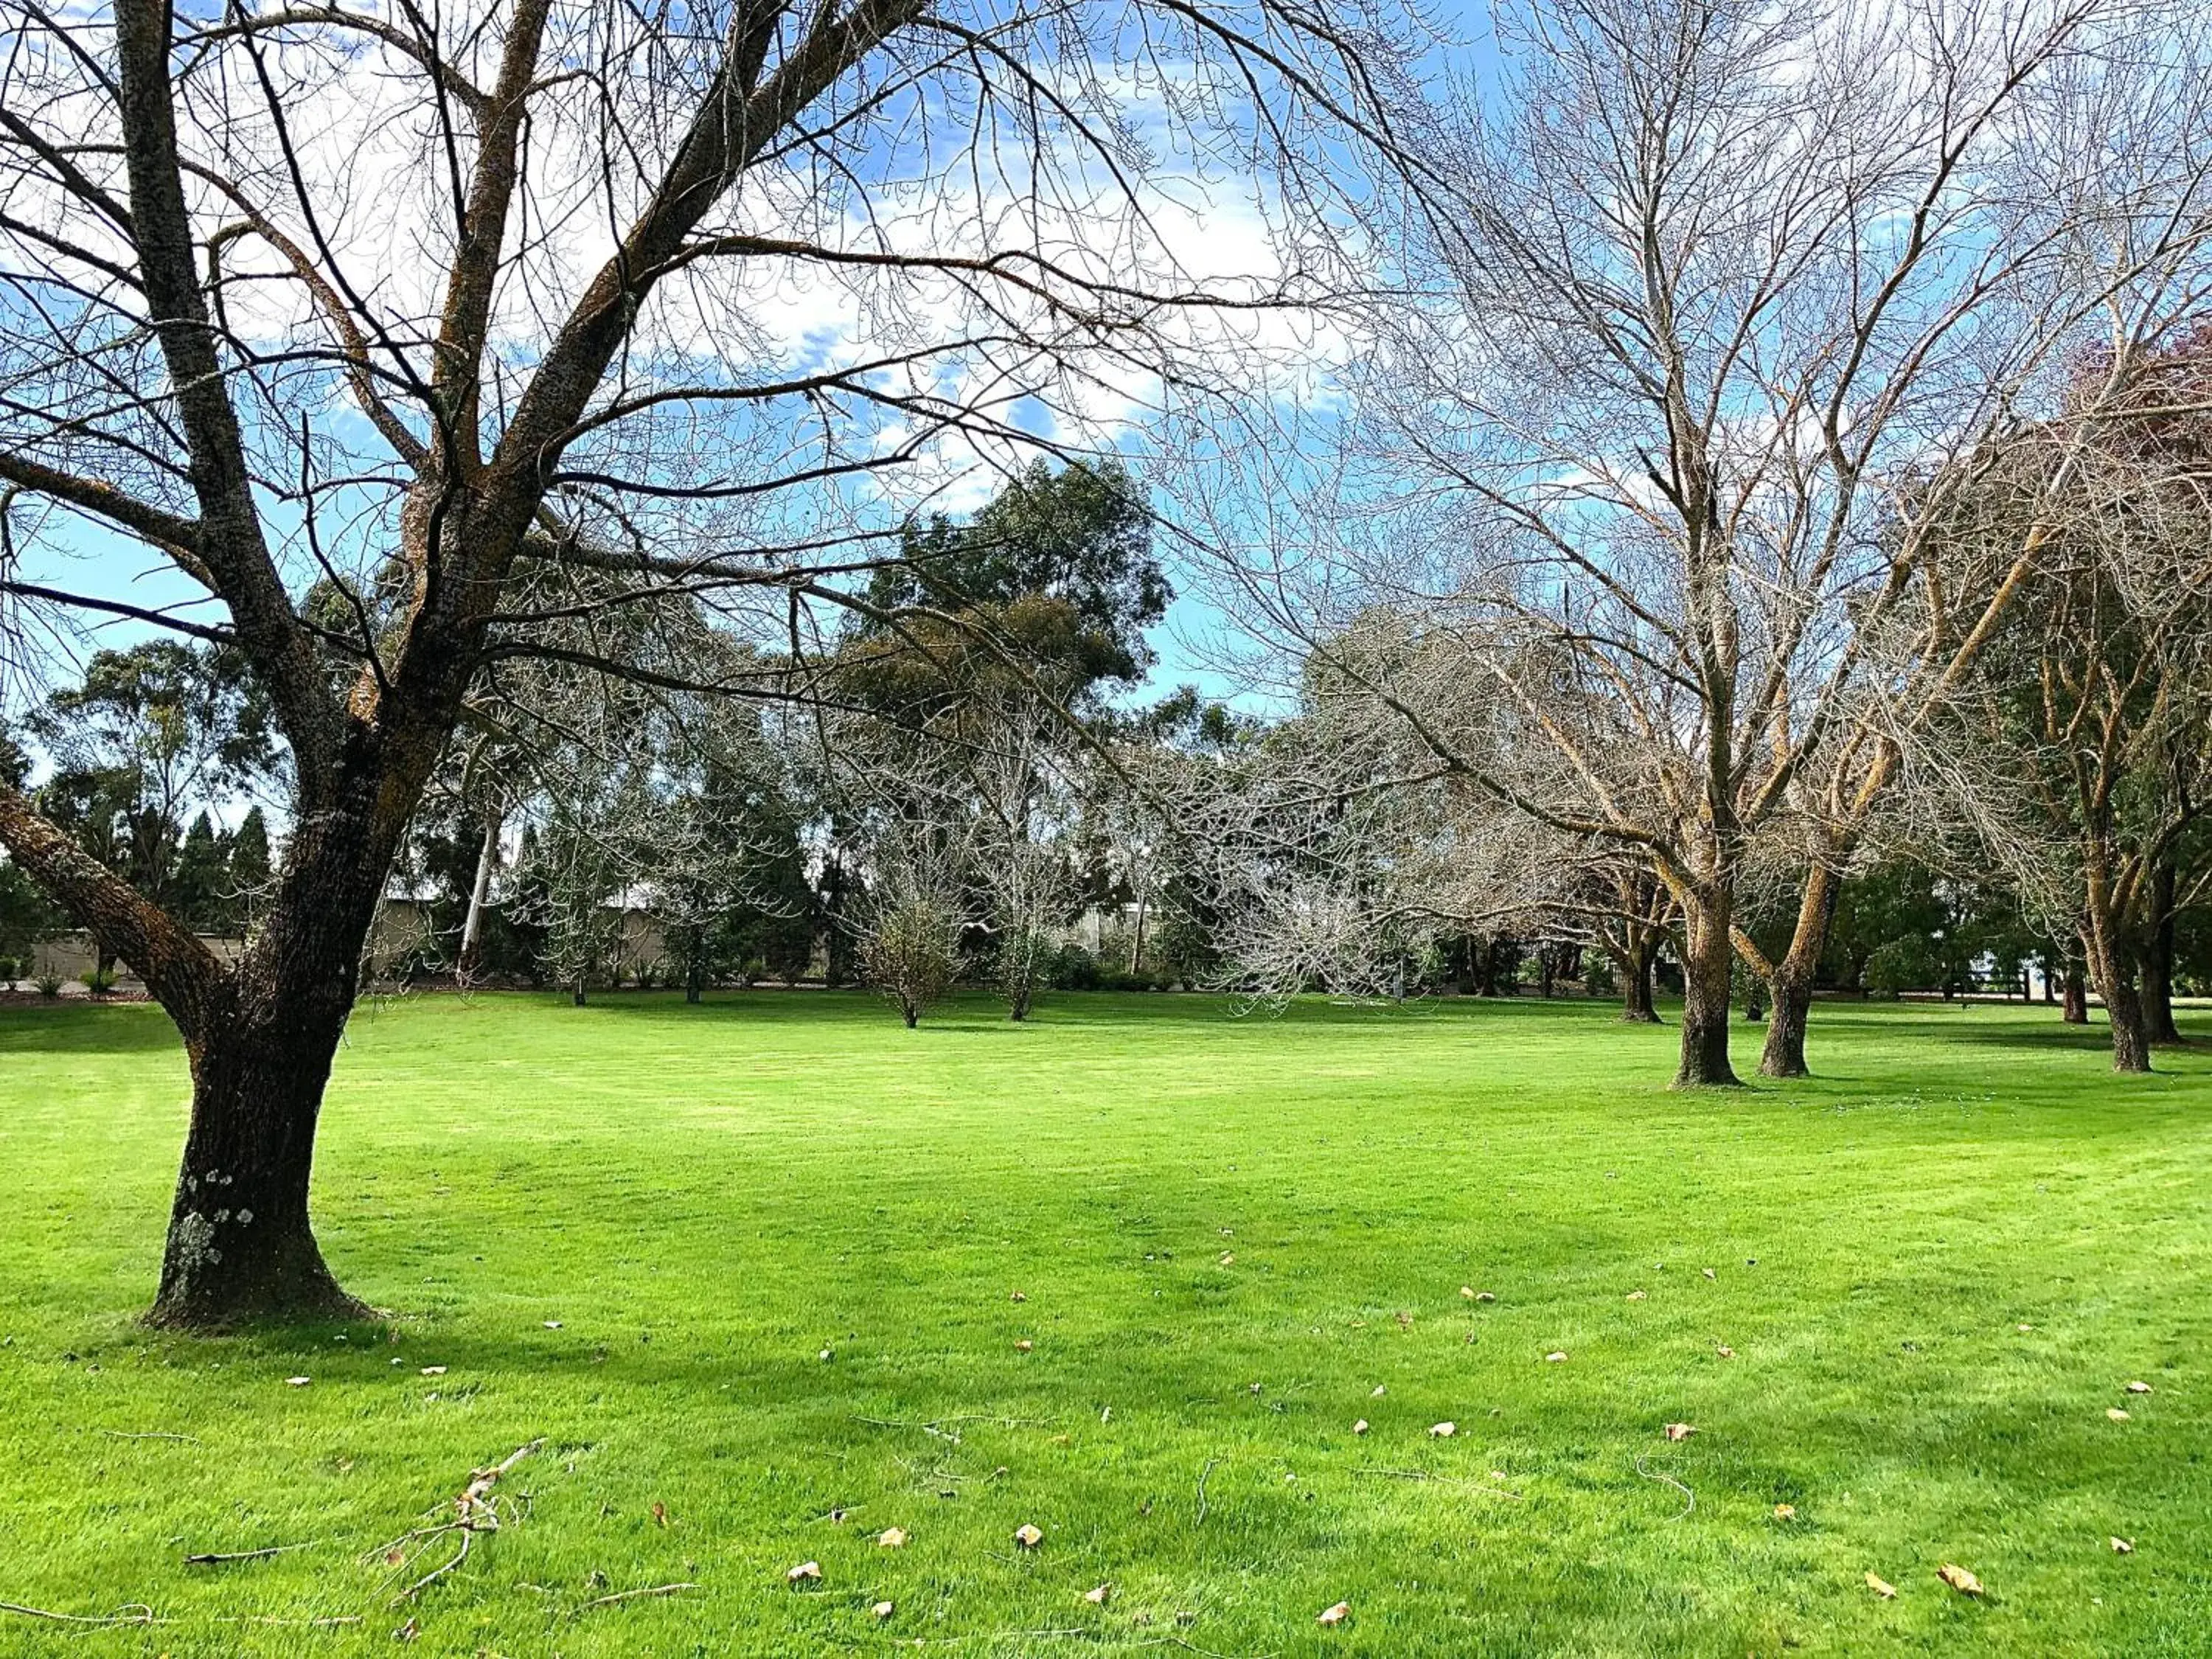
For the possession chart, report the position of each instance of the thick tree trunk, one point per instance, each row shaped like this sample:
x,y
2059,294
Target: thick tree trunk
x,y
1637,962
1791,986
2158,964
469,958
239,1246
1708,955
2114,957
2073,989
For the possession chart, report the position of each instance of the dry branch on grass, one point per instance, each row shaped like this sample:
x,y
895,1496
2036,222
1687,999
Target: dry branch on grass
x,y
476,1509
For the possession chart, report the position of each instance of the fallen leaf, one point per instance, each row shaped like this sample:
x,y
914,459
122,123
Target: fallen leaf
x,y
2023,1329
1679,1431
1959,1578
1377,1394
1024,1346
407,1632
2138,1388
1786,1511
1555,1355
2124,1546
1360,1427
433,1371
1337,1614
892,1538
1636,1295
805,1573
1468,1291
883,1609
1096,1596
1028,1537
1484,1296
552,1324
1710,1273
1881,1587
1725,1352
1442,1430
2116,1413
297,1382
1019,1296
826,1356
660,1514
1229,1258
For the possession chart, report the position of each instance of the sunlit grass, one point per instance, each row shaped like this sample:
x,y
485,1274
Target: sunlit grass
x,y
633,1230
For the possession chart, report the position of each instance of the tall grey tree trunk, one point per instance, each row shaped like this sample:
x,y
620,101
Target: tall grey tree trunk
x,y
2158,964
470,956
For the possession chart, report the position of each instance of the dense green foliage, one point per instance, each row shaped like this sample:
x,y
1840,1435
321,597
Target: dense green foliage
x,y
1229,1232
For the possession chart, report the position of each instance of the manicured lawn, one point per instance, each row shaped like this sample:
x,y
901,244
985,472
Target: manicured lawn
x,y
1938,1266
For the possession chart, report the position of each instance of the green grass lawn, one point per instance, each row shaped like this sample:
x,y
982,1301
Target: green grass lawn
x,y
746,1268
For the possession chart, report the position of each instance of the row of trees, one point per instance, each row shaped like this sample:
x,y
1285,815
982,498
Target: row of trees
x,y
1708,449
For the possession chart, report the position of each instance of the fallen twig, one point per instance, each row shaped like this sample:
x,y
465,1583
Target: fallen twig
x,y
634,1595
1199,1520
1672,1481
132,1613
474,1511
122,1434
213,1559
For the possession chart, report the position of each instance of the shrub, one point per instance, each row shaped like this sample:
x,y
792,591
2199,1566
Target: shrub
x,y
49,984
100,981
1077,969
912,954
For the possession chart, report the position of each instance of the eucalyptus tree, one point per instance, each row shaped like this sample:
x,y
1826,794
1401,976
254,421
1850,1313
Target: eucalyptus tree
x,y
419,302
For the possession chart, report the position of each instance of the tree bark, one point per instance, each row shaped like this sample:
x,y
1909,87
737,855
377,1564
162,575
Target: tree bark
x,y
2074,991
2114,958
2158,964
240,1248
1708,954
1637,963
1792,986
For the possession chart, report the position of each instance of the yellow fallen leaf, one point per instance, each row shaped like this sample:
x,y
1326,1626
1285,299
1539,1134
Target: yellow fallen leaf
x,y
433,1371
883,1609
1468,1291
1020,1297
297,1382
1725,1352
1442,1430
892,1538
1229,1258
1710,1273
2116,1413
1028,1537
1484,1296
1679,1431
1337,1614
2124,1546
1360,1427
1098,1597
2138,1388
1555,1355
1635,1296
1959,1578
1881,1587
805,1573
1786,1511
1024,1346
1378,1394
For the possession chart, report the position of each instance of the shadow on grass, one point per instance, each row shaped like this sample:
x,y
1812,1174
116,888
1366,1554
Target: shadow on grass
x,y
72,1028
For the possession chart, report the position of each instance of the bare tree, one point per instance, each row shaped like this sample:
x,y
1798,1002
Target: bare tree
x,y
1706,291
418,302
